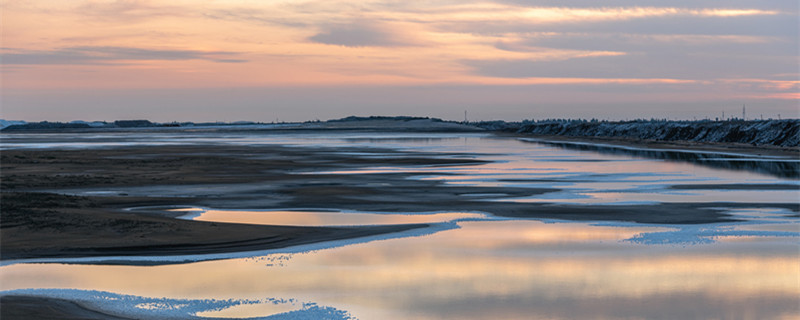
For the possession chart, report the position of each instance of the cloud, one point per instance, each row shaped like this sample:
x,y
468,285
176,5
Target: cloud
x,y
781,5
104,55
362,34
657,43
257,16
535,15
668,65
130,10
784,25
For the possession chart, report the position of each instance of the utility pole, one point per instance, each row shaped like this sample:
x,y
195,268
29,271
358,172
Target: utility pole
x,y
723,115
743,114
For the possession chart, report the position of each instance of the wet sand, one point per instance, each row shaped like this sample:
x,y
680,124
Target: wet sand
x,y
51,225
39,222
41,225
23,307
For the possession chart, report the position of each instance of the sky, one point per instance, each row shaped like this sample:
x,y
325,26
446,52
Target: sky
x,y
267,61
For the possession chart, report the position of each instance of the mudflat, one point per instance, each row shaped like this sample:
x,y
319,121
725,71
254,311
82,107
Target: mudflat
x,y
38,224
24,307
71,203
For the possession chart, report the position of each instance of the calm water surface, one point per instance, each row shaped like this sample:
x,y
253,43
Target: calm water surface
x,y
473,265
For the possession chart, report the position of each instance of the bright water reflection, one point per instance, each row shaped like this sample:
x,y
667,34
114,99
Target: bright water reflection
x,y
485,269
322,218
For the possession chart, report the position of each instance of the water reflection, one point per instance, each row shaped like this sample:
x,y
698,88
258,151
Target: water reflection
x,y
318,218
474,266
655,196
778,167
597,178
485,268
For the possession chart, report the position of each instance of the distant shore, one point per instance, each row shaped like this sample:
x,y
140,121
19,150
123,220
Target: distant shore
x,y
40,220
732,133
710,147
737,133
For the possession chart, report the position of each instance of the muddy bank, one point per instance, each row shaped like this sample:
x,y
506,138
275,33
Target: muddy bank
x,y
777,133
38,221
24,307
51,225
42,225
655,145
775,161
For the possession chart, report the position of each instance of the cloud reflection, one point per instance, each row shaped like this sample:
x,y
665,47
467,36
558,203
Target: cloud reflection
x,y
507,268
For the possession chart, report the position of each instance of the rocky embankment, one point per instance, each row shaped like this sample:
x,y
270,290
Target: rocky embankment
x,y
781,133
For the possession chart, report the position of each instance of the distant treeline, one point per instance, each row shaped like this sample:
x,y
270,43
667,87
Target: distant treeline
x,y
49,126
391,118
784,133
46,125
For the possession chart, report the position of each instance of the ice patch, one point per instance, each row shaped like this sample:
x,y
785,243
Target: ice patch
x,y
132,306
693,235
712,233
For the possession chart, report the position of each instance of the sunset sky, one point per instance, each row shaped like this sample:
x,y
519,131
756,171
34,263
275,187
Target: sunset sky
x,y
304,60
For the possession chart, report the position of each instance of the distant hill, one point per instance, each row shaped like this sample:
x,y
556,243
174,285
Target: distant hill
x,y
399,123
5,123
385,118
44,125
782,133
77,124
133,123
371,123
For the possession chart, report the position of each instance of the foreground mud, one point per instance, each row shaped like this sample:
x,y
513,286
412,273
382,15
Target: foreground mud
x,y
43,218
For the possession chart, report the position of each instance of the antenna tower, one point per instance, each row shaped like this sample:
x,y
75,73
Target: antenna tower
x,y
743,114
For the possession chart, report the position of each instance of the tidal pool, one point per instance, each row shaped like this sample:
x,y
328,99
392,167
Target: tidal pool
x,y
473,265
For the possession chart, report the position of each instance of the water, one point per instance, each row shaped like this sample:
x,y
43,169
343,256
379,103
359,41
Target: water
x,y
473,265
321,218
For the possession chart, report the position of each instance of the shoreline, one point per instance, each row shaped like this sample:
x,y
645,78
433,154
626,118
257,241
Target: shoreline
x,y
41,221
30,307
90,227
677,146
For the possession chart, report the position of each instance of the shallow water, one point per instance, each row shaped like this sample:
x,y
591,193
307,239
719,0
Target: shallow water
x,y
475,265
484,269
584,175
322,218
